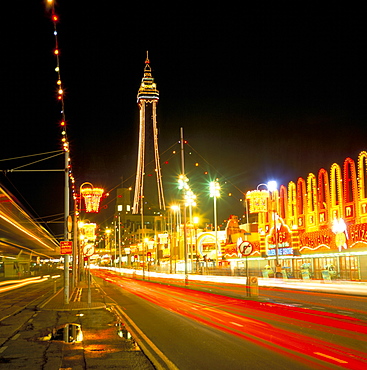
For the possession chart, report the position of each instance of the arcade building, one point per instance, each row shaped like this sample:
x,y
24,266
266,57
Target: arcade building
x,y
312,226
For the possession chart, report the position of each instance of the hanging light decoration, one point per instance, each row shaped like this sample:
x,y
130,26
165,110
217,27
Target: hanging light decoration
x,y
92,197
50,5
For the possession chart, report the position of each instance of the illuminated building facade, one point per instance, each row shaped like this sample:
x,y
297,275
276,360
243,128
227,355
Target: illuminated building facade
x,y
320,223
148,151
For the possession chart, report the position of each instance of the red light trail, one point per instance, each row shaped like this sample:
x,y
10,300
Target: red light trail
x,y
313,338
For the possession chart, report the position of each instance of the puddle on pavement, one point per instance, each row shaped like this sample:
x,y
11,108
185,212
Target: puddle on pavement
x,y
69,333
123,333
72,333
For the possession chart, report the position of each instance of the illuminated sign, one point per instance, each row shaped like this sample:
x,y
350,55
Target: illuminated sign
x,y
357,233
163,238
317,239
281,251
66,247
88,230
258,200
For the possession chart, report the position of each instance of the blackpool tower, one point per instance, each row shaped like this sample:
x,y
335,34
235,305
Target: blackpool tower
x,y
148,151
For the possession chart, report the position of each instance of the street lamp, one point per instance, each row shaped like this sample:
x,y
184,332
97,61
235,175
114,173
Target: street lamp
x,y
107,240
175,222
272,187
183,185
190,198
196,221
215,193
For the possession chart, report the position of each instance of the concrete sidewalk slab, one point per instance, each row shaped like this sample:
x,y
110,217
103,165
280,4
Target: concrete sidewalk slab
x,y
101,347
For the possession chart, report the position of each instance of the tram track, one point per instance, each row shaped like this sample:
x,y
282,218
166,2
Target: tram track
x,y
18,308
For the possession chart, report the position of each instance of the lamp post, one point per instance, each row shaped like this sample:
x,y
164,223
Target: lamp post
x,y
196,221
215,193
88,239
272,187
114,243
182,181
174,235
190,201
107,240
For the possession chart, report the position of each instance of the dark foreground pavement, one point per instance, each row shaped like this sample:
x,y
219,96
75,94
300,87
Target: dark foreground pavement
x,y
36,345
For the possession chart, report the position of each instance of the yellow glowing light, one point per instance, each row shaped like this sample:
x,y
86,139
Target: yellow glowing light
x,y
88,231
92,197
258,200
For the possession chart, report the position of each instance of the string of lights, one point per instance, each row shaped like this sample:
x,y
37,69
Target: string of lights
x,y
50,4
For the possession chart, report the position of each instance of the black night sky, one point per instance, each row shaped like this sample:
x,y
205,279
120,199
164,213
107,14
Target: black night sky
x,y
262,91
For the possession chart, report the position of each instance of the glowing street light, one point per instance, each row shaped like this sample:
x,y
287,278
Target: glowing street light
x,y
272,186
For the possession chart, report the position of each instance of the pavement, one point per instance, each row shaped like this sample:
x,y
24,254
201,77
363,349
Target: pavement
x,y
40,342
358,288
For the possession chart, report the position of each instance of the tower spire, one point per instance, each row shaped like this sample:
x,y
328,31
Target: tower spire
x,y
147,98
148,89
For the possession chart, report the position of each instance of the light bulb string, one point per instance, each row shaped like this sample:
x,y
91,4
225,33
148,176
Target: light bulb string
x,y
60,90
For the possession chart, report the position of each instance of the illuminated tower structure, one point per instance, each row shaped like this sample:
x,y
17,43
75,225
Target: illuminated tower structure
x,y
148,97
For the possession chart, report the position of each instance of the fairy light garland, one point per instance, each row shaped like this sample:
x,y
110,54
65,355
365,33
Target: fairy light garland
x,y
60,91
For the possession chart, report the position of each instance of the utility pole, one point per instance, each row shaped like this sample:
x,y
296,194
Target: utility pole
x,y
66,233
184,205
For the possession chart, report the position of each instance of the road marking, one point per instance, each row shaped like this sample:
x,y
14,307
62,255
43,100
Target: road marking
x,y
2,349
16,336
349,313
331,357
234,323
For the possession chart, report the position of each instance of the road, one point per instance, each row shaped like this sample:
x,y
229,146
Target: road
x,y
201,330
